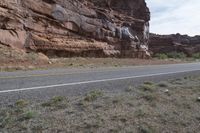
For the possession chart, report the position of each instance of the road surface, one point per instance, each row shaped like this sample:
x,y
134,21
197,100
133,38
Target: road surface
x,y
43,84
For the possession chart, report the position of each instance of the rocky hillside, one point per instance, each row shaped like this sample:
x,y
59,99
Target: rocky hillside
x,y
66,28
174,43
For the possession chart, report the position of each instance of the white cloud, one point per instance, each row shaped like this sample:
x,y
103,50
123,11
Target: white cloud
x,y
175,16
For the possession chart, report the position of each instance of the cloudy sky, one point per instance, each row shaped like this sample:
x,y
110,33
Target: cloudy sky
x,y
175,16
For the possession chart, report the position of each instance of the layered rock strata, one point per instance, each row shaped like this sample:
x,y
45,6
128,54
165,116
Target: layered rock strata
x,y
66,28
174,43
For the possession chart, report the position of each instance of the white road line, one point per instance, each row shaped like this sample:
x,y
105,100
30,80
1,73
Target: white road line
x,y
94,81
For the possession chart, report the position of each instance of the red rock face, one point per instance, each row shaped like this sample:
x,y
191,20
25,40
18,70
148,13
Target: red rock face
x,y
174,43
97,28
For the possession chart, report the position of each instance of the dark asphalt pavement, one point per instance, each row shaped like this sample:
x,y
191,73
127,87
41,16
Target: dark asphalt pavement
x,y
43,84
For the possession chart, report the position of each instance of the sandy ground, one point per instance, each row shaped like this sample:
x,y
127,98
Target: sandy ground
x,y
34,61
168,107
12,59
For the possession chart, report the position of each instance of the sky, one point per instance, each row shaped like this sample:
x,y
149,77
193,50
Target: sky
x,y
175,16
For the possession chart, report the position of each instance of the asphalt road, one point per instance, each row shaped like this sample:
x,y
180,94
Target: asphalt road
x,y
43,84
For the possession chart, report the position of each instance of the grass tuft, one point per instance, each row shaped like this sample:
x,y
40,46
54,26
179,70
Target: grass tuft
x,y
30,115
147,87
57,101
139,113
145,129
93,95
148,83
149,97
129,89
163,84
22,103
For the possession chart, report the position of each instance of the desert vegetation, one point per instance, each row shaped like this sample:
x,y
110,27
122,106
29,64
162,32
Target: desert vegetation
x,y
177,55
173,55
167,106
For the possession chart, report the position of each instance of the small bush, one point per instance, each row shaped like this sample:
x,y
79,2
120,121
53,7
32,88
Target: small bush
x,y
148,83
161,56
146,129
55,101
196,56
163,84
93,95
32,56
28,115
21,103
129,89
177,55
147,87
149,97
174,55
139,113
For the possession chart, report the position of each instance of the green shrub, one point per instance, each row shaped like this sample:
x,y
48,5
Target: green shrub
x,y
176,55
93,95
129,89
163,84
21,103
139,113
147,87
148,83
146,129
29,115
56,101
196,56
149,97
161,56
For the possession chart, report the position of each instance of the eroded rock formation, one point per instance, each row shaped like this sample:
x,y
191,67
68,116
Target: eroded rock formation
x,y
174,43
98,28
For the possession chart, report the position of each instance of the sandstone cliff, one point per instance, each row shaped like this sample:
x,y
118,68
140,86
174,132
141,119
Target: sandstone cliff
x,y
65,28
174,43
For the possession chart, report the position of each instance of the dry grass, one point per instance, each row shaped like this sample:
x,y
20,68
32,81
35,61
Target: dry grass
x,y
13,59
145,109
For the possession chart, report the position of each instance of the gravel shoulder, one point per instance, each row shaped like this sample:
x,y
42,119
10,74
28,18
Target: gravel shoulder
x,y
167,106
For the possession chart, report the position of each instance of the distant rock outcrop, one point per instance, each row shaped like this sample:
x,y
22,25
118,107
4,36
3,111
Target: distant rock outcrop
x,y
174,43
97,28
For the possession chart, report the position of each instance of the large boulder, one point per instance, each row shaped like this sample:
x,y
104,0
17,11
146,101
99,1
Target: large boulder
x,y
99,28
